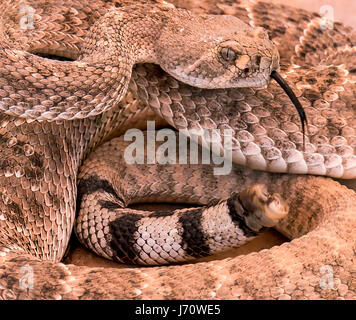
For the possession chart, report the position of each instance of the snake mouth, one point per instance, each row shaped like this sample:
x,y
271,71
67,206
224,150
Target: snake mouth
x,y
288,90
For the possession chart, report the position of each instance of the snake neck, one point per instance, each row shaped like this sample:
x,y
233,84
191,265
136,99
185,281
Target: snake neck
x,y
95,82
127,35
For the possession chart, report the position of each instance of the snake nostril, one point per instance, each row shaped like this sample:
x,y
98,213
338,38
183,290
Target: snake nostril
x,y
247,70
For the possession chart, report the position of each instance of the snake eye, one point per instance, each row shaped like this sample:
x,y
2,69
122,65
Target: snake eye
x,y
228,54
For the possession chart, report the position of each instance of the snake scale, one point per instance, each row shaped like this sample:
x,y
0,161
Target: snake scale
x,y
126,62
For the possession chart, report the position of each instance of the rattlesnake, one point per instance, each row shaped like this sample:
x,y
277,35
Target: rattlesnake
x,y
54,113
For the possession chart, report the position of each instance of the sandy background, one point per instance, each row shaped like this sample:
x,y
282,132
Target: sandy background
x,y
344,11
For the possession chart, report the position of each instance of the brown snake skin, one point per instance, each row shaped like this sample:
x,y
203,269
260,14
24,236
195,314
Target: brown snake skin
x,y
39,160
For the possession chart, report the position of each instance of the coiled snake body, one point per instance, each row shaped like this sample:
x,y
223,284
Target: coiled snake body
x,y
55,113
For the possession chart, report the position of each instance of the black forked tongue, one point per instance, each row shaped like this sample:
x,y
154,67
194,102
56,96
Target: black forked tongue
x,y
287,89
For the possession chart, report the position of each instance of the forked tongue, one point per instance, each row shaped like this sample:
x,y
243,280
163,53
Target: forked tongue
x,y
287,89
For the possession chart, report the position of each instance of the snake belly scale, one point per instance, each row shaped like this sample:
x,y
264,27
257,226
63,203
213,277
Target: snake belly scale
x,y
130,61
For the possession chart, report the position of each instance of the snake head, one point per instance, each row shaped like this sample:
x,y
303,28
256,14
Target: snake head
x,y
210,51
